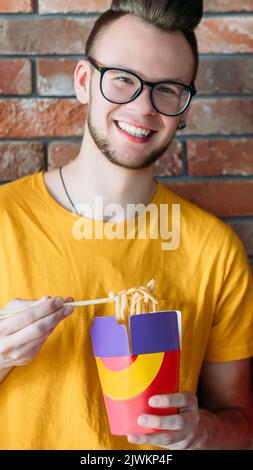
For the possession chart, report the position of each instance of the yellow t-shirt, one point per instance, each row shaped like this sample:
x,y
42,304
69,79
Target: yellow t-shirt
x,y
55,402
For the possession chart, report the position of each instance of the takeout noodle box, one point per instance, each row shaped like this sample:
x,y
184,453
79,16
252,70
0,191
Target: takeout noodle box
x,y
130,374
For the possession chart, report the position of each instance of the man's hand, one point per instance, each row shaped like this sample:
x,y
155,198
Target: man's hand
x,y
182,431
23,335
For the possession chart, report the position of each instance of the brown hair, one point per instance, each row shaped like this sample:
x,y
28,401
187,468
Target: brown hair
x,y
167,15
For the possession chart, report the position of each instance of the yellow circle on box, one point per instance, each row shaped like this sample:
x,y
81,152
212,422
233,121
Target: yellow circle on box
x,y
132,381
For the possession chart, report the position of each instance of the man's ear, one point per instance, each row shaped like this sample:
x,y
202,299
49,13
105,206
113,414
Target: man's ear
x,y
82,78
181,120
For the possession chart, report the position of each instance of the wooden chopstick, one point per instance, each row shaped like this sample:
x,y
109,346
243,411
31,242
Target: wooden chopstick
x,y
80,303
83,303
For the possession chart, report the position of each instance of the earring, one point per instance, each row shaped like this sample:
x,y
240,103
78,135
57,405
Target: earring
x,y
182,125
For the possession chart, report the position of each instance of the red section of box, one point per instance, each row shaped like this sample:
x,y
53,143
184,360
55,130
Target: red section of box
x,y
123,414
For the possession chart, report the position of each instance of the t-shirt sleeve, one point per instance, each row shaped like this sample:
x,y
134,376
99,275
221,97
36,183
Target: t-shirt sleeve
x,y
231,336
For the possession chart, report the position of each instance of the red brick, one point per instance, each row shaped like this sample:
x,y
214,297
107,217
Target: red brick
x,y
217,76
67,35
41,118
229,34
19,159
222,117
91,6
44,35
220,157
16,77
222,198
61,153
73,6
170,164
16,6
228,5
65,117
56,77
245,232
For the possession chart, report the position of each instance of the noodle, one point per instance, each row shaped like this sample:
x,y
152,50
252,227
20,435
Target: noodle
x,y
135,301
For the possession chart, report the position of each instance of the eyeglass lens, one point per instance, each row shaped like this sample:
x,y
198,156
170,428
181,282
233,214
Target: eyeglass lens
x,y
120,87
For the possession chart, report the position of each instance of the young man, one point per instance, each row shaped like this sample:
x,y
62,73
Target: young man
x,y
54,401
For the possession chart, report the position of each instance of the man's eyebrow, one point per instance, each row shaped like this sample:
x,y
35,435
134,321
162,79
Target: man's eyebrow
x,y
175,79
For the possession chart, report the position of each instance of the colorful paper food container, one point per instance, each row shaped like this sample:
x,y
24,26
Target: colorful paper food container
x,y
132,370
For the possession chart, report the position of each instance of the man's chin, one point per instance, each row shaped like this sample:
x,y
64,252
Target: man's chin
x,y
128,158
132,163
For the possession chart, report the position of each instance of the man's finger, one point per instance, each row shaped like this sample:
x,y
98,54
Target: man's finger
x,y
21,351
33,313
163,439
174,400
33,331
169,423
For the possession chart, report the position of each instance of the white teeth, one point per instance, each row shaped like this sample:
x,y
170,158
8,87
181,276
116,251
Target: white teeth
x,y
132,130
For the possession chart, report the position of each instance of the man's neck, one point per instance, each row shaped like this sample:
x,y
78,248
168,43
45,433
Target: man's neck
x,y
91,176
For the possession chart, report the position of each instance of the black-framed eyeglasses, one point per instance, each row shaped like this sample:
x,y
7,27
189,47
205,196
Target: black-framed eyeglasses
x,y
121,86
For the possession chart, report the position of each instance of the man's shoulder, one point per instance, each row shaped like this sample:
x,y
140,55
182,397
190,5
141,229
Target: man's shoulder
x,y
15,193
197,222
188,209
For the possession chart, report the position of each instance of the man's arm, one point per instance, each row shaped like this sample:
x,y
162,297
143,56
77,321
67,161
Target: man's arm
x,y
225,422
226,396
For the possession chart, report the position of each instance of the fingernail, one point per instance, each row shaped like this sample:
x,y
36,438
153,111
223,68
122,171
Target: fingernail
x,y
154,401
134,439
58,302
67,311
69,299
143,420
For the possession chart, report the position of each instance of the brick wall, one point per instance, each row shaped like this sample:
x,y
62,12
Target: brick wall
x,y
41,122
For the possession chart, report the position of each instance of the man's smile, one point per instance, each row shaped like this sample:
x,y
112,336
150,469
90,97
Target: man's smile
x,y
133,133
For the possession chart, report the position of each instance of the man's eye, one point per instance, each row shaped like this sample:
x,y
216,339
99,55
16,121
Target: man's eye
x,y
167,91
124,80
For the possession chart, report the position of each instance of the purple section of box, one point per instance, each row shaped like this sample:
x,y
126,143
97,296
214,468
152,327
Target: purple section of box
x,y
150,332
154,332
109,339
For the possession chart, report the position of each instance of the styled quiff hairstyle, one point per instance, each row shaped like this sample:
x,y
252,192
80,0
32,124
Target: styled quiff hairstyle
x,y
167,15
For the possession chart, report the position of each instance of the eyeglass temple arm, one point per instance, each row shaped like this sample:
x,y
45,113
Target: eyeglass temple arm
x,y
95,64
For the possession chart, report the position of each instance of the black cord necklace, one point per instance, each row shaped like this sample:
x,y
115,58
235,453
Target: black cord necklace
x,y
65,189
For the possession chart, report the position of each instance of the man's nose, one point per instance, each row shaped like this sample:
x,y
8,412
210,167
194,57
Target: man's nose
x,y
142,104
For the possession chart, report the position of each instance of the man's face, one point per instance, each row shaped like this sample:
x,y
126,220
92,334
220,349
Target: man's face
x,y
153,55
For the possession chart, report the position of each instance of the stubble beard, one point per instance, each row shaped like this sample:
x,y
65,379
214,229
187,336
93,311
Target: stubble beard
x,y
104,146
